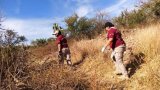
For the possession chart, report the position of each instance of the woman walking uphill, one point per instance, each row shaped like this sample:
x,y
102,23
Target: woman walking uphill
x,y
118,46
63,48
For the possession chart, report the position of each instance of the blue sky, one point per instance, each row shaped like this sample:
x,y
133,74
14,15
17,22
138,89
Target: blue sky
x,y
34,18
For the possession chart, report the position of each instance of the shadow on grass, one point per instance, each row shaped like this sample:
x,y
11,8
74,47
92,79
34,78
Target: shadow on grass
x,y
84,55
135,61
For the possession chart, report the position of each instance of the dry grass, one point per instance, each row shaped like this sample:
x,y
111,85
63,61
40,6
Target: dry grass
x,y
13,61
94,70
147,41
41,51
58,78
87,56
99,67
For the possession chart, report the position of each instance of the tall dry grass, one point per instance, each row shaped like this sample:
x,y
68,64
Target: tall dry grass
x,y
88,58
13,61
147,41
91,71
99,67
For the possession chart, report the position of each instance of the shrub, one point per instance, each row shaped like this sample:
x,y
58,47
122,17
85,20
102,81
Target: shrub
x,y
13,59
148,12
39,42
83,27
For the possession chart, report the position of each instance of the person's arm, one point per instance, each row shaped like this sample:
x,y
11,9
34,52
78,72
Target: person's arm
x,y
58,42
108,42
59,48
111,34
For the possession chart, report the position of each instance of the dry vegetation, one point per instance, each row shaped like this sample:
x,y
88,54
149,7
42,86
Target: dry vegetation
x,y
93,70
13,61
147,41
37,67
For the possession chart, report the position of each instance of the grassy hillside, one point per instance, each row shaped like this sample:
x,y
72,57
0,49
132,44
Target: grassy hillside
x,y
36,67
93,70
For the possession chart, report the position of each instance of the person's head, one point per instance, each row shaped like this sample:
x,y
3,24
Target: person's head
x,y
108,25
57,33
55,26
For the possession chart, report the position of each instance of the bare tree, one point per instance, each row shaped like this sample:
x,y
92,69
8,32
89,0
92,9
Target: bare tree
x,y
100,19
102,16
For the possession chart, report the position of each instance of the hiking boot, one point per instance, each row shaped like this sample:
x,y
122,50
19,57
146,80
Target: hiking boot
x,y
124,77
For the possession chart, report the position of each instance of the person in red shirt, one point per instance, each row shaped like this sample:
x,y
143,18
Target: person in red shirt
x,y
63,49
117,44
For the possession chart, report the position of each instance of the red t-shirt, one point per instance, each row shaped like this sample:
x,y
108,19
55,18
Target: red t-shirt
x,y
62,41
117,38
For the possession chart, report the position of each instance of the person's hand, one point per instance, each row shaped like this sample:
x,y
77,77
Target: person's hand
x,y
103,49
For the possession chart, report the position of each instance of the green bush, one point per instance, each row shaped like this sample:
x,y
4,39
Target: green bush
x,y
147,13
79,27
83,27
131,19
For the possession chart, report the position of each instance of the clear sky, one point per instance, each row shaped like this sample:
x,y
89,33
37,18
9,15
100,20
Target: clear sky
x,y
34,18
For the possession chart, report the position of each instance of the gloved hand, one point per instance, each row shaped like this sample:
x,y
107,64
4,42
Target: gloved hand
x,y
103,49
